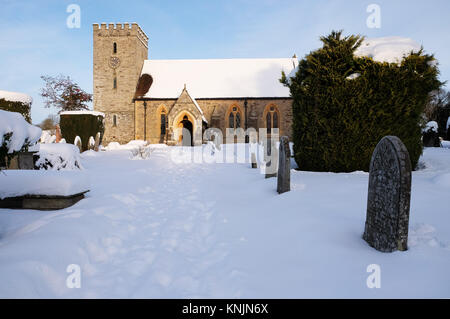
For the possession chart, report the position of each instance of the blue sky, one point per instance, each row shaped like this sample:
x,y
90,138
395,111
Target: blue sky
x,y
34,38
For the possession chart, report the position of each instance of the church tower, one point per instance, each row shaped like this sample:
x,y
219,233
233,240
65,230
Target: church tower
x,y
119,53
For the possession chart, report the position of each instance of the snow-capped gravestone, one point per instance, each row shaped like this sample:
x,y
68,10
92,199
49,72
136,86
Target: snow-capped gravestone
x,y
284,166
271,158
389,196
77,143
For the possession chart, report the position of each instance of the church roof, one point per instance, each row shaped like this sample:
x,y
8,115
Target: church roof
x,y
218,78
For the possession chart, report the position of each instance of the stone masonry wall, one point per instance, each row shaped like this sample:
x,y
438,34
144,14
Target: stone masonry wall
x,y
125,66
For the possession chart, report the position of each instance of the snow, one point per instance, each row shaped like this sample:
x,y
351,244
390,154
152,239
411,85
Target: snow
x,y
448,123
157,229
353,76
22,131
37,182
47,137
59,156
95,113
387,49
432,125
16,97
218,78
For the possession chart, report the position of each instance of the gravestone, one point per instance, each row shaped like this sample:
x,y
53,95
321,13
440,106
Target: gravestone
x,y
97,142
91,143
78,144
271,159
284,166
389,195
254,164
58,134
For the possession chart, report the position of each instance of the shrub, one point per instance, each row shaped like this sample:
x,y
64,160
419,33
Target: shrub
x,y
343,105
83,125
19,107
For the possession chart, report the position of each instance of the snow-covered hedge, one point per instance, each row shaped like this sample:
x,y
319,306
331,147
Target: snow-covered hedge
x,y
16,135
58,156
16,102
83,124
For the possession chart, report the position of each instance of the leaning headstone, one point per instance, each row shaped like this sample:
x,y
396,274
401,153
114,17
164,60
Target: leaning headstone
x,y
97,142
284,166
78,144
271,159
389,196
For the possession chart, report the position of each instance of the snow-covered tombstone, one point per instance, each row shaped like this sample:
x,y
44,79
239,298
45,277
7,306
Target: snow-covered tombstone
x,y
431,135
284,166
77,143
389,196
91,143
17,136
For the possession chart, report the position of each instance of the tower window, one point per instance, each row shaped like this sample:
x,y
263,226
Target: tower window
x,y
114,120
115,83
115,48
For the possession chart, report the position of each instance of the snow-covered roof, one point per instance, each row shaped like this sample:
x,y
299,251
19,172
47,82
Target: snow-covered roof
x,y
95,113
387,49
16,97
218,78
197,106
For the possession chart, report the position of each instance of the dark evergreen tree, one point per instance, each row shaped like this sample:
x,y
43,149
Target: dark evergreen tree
x,y
338,120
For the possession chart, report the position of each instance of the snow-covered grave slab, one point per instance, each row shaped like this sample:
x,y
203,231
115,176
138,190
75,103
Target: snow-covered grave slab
x,y
41,189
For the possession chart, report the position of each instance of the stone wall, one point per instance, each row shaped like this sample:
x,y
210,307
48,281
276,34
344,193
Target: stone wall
x,y
216,112
123,67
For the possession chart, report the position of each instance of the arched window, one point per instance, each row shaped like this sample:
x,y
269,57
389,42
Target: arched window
x,y
115,48
234,118
231,120
272,118
114,120
115,83
163,123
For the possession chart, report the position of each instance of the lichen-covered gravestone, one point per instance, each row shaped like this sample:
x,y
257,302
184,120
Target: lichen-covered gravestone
x,y
284,166
389,196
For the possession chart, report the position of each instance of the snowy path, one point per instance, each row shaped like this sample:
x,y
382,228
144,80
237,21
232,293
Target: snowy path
x,y
156,229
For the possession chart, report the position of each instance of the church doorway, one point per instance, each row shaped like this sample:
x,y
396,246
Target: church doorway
x,y
186,124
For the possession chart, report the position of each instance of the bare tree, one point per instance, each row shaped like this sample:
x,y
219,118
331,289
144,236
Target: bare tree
x,y
64,94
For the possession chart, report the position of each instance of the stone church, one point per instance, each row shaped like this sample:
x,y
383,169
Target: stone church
x,y
149,99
